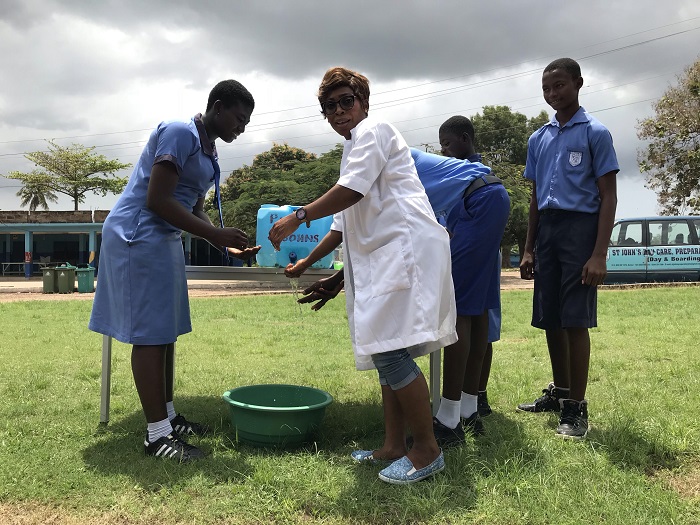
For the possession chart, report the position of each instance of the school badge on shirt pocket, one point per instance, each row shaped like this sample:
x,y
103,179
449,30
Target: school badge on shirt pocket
x,y
575,158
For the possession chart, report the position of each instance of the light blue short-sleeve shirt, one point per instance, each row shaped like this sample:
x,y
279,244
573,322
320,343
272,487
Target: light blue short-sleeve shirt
x,y
565,162
445,179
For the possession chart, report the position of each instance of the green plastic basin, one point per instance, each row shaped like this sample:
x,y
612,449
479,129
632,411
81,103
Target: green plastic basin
x,y
276,415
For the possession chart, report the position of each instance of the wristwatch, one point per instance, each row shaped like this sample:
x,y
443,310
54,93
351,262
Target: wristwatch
x,y
301,214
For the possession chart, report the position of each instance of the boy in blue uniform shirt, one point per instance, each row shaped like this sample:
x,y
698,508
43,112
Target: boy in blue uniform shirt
x,y
457,140
572,163
477,207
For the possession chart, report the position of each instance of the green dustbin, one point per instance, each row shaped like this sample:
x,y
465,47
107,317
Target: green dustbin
x,y
66,278
86,279
50,281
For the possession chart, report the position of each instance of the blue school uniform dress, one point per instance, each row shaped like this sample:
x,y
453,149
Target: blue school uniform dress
x,y
476,222
565,163
494,313
141,295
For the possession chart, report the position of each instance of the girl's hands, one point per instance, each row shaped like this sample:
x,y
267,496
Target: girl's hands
x,y
244,254
230,238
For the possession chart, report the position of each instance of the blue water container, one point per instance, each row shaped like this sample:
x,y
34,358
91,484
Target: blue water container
x,y
297,246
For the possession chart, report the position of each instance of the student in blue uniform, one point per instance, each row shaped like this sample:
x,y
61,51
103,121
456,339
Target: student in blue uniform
x,y
476,206
457,139
141,297
573,166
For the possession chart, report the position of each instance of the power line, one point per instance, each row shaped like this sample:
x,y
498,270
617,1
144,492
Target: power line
x,y
456,88
381,105
139,144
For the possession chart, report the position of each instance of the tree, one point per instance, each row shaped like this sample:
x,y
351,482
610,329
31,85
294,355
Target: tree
x,y
671,160
35,194
501,137
281,175
71,170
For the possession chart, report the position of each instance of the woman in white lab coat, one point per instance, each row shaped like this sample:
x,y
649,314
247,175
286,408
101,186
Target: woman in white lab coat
x,y
400,298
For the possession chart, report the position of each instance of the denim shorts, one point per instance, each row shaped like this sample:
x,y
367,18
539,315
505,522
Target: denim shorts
x,y
565,242
396,368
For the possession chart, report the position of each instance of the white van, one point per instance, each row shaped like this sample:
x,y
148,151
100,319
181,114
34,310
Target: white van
x,y
650,249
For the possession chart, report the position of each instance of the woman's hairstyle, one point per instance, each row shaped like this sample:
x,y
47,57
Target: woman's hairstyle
x,y
230,92
567,64
337,77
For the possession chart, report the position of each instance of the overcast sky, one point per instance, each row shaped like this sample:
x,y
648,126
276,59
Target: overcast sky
x,y
104,73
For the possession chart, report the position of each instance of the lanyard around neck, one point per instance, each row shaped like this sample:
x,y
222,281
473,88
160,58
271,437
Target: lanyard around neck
x,y
217,196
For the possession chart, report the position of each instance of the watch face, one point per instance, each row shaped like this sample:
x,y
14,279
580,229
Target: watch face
x,y
301,214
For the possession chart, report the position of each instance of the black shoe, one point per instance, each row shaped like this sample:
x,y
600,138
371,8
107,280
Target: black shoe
x,y
445,437
573,423
172,446
482,404
473,424
187,428
547,402
448,437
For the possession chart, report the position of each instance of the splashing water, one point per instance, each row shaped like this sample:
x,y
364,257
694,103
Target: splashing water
x,y
294,283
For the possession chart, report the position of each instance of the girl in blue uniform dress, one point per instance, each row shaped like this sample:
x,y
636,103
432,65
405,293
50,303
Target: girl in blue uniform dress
x,y
141,296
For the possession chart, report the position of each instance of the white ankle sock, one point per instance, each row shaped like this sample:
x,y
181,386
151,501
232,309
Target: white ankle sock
x,y
448,413
467,406
171,410
159,429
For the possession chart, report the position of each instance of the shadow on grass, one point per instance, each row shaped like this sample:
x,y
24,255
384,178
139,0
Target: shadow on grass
x,y
451,494
628,447
361,497
118,448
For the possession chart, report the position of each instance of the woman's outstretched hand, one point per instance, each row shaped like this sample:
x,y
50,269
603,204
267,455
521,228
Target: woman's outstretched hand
x,y
294,271
282,229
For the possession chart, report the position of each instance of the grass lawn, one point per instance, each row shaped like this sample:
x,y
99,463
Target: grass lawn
x,y
640,465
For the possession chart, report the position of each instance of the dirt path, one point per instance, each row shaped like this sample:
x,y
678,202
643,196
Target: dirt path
x,y
510,280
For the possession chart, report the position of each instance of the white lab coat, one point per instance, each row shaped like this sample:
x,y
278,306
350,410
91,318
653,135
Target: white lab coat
x,y
397,268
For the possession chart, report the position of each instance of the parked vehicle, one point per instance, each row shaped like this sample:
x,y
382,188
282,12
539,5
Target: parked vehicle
x,y
651,249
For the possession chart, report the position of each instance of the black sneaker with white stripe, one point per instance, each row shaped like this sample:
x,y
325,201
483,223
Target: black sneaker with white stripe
x,y
172,446
187,428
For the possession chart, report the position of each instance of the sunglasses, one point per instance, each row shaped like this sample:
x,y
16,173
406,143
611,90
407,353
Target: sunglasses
x,y
346,103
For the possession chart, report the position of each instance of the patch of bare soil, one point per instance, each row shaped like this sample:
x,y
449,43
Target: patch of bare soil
x,y
10,297
510,280
35,514
685,481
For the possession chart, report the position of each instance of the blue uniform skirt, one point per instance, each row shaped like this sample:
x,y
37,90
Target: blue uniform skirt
x,y
141,294
474,245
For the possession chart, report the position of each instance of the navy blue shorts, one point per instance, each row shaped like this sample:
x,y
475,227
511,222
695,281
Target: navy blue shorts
x,y
565,242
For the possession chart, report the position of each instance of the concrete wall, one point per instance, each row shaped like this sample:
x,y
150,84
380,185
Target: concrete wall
x,y
52,217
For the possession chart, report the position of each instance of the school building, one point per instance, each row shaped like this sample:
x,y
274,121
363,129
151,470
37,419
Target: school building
x,y
30,241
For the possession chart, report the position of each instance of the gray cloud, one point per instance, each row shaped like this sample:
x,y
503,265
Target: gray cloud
x,y
80,68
